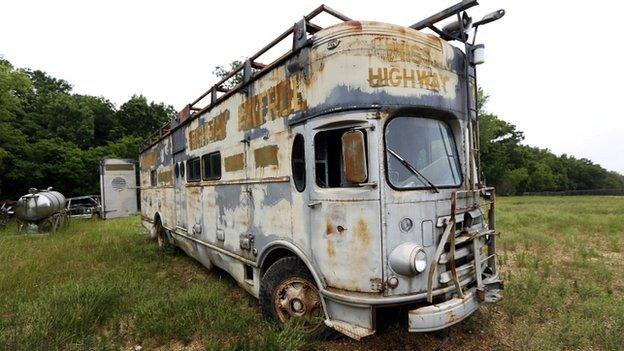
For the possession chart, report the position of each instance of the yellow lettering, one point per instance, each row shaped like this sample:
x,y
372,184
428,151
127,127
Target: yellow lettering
x,y
444,79
423,79
378,80
407,78
395,79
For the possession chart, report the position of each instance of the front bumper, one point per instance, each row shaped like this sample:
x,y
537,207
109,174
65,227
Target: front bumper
x,y
444,314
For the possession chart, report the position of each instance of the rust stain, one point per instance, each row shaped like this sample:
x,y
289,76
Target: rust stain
x,y
234,163
185,113
211,131
362,232
331,249
278,101
165,177
450,317
148,160
357,25
266,156
329,226
354,156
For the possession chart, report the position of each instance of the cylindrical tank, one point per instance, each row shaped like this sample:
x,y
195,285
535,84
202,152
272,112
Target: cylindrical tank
x,y
39,205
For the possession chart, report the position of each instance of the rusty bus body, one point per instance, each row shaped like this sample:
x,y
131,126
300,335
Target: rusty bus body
x,y
310,157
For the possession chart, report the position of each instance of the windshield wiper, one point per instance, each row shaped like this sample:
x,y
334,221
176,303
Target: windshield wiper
x,y
413,170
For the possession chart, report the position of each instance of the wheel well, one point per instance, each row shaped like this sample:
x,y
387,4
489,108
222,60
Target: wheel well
x,y
273,256
157,220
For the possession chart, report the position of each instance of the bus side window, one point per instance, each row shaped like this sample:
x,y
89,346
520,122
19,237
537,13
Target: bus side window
x,y
153,177
298,163
328,159
212,166
193,172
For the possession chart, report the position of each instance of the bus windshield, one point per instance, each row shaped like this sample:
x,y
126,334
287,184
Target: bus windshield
x,y
421,153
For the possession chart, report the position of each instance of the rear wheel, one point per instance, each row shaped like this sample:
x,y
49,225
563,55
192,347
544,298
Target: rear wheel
x,y
288,293
162,238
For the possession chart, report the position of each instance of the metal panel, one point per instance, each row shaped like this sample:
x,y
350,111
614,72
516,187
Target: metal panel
x,y
180,190
345,228
118,188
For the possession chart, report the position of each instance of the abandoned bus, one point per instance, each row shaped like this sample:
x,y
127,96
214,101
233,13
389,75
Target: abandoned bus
x,y
340,179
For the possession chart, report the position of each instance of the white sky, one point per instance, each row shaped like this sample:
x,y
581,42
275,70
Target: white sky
x,y
552,71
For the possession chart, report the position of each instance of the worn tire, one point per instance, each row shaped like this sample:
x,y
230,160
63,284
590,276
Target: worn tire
x,y
280,272
163,240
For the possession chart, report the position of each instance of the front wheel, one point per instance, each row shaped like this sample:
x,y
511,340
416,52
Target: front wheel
x,y
288,294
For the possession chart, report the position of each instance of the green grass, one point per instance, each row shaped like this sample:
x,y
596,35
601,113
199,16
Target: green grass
x,y
104,286
563,267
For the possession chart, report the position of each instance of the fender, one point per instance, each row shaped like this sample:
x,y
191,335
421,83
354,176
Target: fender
x,y
282,244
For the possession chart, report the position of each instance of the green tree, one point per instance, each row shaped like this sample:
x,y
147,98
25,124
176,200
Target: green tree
x,y
515,168
222,71
137,117
50,136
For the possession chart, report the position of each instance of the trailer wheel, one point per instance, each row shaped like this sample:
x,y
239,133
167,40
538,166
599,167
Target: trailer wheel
x,y
288,293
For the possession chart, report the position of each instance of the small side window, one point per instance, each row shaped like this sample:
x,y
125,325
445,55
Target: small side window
x,y
329,158
298,163
212,166
153,177
176,170
182,169
193,173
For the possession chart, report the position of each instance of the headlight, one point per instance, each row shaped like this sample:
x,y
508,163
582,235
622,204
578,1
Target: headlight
x,y
420,261
408,259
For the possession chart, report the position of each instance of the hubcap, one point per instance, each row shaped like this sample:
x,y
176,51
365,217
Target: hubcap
x,y
297,298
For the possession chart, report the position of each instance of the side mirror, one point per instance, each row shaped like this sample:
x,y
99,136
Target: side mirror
x,y
354,156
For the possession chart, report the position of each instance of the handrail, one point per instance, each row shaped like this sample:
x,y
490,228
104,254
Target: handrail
x,y
251,61
300,39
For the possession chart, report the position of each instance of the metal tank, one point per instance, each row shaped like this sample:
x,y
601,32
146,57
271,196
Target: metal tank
x,y
39,205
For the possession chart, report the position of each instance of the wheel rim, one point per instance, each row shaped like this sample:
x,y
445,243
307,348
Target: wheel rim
x,y
297,298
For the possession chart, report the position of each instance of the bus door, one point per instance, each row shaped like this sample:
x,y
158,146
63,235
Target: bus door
x,y
344,204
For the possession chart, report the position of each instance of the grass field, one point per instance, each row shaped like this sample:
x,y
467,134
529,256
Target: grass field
x,y
104,286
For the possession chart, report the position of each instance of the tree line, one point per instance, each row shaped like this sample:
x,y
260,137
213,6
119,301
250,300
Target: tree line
x,y
50,136
514,168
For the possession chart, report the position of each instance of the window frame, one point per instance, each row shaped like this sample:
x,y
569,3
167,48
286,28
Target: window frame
x,y
342,129
189,173
302,185
208,157
153,177
460,170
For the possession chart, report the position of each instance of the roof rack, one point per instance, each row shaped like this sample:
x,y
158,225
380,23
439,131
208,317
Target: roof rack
x,y
430,21
252,69
300,31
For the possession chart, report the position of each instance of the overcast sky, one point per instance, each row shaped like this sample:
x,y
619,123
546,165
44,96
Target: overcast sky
x,y
550,70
